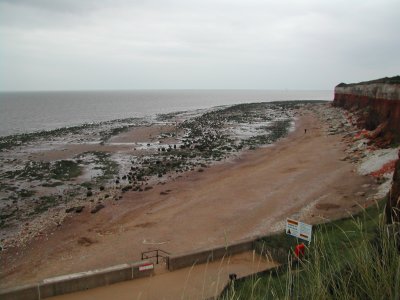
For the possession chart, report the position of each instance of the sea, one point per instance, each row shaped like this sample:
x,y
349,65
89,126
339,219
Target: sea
x,y
25,112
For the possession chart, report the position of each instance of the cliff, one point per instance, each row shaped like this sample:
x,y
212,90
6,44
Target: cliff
x,y
393,202
377,105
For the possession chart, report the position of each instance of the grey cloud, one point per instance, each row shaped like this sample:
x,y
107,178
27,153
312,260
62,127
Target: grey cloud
x,y
69,6
184,44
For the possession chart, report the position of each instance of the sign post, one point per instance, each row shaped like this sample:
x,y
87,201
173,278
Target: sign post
x,y
299,229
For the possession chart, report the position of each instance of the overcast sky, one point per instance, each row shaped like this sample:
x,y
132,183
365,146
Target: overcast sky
x,y
207,44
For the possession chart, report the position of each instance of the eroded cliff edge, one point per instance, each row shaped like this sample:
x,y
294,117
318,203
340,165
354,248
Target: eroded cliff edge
x,y
376,104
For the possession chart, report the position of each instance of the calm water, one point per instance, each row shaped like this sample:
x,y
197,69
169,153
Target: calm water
x,y
31,111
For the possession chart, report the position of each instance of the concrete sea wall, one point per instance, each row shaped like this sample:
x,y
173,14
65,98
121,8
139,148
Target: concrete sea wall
x,y
198,257
101,277
77,282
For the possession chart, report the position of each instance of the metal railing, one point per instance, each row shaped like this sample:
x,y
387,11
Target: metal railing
x,y
159,254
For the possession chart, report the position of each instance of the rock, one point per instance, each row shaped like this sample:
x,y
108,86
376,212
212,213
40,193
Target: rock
x,y
76,209
378,130
393,202
79,209
85,241
97,208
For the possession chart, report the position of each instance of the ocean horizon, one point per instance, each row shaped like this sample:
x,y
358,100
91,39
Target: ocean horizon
x,y
30,111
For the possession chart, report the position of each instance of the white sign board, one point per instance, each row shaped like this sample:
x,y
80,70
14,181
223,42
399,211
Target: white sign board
x,y
299,229
146,267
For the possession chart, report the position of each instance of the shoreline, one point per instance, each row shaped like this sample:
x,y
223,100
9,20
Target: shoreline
x,y
233,192
95,106
51,174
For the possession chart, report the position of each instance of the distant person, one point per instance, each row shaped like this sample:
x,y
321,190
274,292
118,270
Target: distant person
x,y
305,130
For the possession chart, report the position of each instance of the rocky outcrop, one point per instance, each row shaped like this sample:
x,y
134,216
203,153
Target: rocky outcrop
x,y
377,105
393,203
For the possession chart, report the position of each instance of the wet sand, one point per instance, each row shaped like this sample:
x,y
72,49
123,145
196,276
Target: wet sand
x,y
301,176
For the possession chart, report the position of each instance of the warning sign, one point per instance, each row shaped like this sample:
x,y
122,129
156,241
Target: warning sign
x,y
299,229
292,227
146,267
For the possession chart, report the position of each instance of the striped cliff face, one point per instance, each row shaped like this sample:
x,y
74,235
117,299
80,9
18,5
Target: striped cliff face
x,y
376,104
382,91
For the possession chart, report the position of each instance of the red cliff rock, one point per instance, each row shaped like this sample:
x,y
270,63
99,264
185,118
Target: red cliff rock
x,y
377,105
393,203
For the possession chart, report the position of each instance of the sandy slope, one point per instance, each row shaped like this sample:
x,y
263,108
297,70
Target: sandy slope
x,y
249,196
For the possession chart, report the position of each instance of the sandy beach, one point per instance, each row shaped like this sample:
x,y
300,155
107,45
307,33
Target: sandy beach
x,y
303,176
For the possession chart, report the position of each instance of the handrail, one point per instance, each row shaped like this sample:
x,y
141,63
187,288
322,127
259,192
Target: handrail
x,y
157,254
156,250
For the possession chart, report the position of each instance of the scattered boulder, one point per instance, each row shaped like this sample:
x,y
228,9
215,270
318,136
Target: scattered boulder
x,y
97,208
68,210
79,209
393,202
126,188
85,241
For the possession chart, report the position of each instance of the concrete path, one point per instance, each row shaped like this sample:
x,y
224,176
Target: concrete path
x,y
198,282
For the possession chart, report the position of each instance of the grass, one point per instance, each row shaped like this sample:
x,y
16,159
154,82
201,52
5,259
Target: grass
x,y
45,202
25,193
88,184
102,160
65,170
353,258
40,170
106,135
52,184
11,141
18,140
7,187
387,80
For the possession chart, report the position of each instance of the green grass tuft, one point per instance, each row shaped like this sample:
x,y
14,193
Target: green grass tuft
x,y
353,258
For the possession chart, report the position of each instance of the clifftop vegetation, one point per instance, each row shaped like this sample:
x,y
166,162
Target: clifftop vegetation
x,y
388,80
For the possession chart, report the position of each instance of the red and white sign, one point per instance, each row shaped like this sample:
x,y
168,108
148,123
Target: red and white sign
x,y
299,229
146,267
